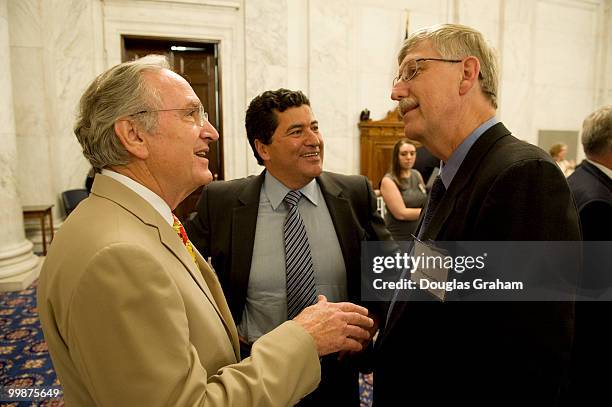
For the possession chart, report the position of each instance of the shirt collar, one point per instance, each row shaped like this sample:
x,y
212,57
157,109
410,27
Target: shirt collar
x,y
603,168
145,193
276,191
449,169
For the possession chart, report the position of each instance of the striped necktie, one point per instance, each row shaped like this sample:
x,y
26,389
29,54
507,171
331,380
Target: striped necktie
x,y
301,291
180,230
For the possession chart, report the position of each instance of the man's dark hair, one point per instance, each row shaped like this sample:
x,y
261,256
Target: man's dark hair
x,y
261,119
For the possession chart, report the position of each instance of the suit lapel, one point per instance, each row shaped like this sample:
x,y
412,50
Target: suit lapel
x,y
345,225
340,212
214,287
243,235
605,180
463,178
132,202
170,239
203,276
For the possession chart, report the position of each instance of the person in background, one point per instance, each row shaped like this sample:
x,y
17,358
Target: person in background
x,y
131,312
558,152
591,185
403,191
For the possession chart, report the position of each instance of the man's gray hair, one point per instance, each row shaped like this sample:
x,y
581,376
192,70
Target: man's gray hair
x,y
120,91
597,132
455,41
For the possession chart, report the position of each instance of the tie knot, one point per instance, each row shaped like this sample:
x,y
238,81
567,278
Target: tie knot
x,y
292,198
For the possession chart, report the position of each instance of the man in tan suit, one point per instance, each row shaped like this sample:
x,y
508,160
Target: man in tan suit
x,y
132,314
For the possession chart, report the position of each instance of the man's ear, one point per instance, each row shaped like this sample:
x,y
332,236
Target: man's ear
x,y
131,138
471,72
262,150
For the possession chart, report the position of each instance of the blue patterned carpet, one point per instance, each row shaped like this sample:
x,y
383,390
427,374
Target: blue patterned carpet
x,y
25,361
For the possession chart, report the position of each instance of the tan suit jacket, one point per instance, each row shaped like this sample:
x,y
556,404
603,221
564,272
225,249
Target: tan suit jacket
x,y
131,321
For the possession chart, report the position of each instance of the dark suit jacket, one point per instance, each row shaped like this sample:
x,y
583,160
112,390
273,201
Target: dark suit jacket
x,y
224,229
592,190
475,352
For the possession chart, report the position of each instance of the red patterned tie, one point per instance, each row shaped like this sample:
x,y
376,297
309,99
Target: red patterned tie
x,y
180,230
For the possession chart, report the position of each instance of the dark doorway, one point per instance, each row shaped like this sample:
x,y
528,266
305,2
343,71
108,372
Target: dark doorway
x,y
198,63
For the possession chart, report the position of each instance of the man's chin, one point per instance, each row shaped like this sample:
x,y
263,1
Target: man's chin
x,y
316,172
205,179
208,180
411,134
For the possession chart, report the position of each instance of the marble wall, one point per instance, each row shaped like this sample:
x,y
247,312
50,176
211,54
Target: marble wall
x,y
351,46
554,54
53,58
607,52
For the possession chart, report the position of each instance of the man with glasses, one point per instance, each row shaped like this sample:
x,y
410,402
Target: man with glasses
x,y
131,312
492,187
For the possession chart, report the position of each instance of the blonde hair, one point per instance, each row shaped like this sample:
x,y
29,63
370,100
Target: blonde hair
x,y
455,41
555,149
118,92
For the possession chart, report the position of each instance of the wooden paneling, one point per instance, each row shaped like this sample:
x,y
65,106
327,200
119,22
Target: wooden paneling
x,y
377,138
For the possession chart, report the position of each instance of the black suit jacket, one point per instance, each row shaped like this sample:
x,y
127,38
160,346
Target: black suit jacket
x,y
477,353
592,191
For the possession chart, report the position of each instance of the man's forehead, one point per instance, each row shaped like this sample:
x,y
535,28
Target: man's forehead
x,y
294,112
171,85
292,118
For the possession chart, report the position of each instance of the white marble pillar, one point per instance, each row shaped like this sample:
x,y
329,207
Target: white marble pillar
x,y
18,265
29,29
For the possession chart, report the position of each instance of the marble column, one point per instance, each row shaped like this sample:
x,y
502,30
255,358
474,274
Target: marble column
x,y
18,264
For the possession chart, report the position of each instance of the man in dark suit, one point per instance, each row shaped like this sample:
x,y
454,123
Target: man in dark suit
x,y
591,185
246,219
492,187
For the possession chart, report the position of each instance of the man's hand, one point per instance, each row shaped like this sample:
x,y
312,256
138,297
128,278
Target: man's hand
x,y
364,343
336,326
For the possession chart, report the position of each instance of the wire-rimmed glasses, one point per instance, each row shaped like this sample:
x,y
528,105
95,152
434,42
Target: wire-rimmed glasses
x,y
411,68
200,116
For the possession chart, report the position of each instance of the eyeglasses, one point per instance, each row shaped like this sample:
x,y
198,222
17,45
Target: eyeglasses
x,y
198,114
411,68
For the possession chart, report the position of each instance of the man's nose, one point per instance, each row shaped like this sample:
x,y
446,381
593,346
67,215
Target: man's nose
x,y
399,91
313,139
209,132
